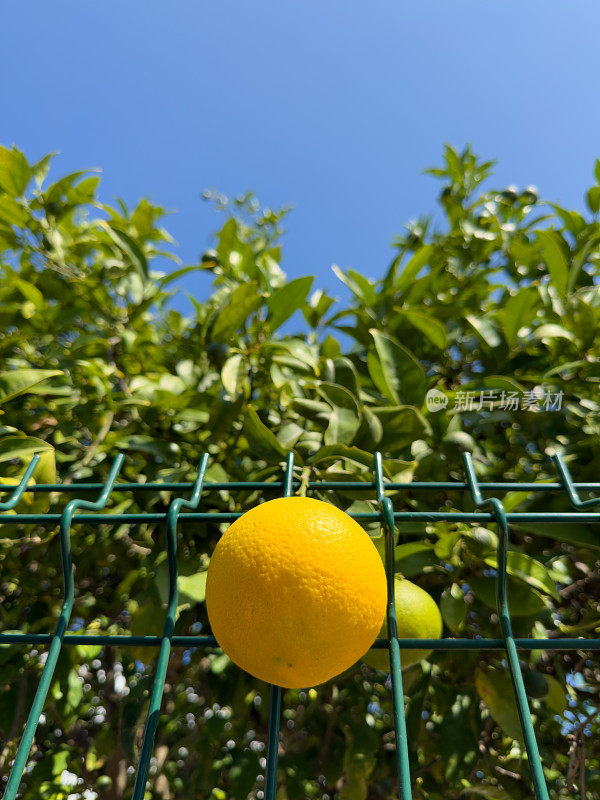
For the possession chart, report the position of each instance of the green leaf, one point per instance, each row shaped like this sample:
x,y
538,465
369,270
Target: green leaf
x,y
87,652
286,300
159,448
219,663
370,432
524,600
244,300
84,192
30,292
460,440
342,427
556,699
399,470
344,419
198,306
528,570
62,190
428,325
147,620
457,740
413,558
60,759
178,273
15,172
597,170
128,246
330,347
45,472
39,170
395,371
12,212
572,220
402,425
518,312
593,199
453,607
74,692
311,409
360,286
296,348
289,433
263,441
318,306
572,533
18,381
551,331
488,792
365,288
192,588
555,260
495,689
481,540
485,328
415,685
22,447
234,371
512,500
498,382
334,452
413,267
359,761
346,375
298,368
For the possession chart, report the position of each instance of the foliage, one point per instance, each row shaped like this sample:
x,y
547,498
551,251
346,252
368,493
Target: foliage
x,y
500,294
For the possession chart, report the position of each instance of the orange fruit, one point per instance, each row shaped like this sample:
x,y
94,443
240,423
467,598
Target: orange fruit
x,y
295,592
417,617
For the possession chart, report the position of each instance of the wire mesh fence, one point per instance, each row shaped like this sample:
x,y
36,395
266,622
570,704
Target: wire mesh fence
x,y
488,508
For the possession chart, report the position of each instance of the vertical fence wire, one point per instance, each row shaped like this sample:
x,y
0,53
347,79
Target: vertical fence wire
x,y
535,763
33,719
385,504
275,692
569,486
175,506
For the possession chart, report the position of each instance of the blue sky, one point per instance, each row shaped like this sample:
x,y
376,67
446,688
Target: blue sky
x,y
335,107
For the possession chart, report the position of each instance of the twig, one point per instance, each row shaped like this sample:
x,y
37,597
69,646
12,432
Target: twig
x,y
577,754
484,750
102,434
425,767
327,736
582,767
576,587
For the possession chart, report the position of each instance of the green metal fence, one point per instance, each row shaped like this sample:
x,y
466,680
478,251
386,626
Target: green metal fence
x,y
487,510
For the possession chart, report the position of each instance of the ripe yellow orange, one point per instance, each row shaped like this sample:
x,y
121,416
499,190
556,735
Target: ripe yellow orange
x,y
417,617
295,592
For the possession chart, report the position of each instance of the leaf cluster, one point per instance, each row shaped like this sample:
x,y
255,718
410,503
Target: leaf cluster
x,y
501,295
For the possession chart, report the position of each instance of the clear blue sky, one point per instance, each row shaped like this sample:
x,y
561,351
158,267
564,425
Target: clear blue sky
x,y
336,107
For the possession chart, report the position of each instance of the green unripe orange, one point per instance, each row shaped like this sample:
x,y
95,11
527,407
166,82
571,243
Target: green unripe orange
x,y
417,617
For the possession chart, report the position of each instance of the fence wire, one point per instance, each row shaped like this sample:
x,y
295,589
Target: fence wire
x,y
487,510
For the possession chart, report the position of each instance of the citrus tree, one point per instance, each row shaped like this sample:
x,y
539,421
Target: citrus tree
x,y
496,294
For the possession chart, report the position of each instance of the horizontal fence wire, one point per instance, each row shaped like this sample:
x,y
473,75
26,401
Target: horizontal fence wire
x,y
386,516
515,518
